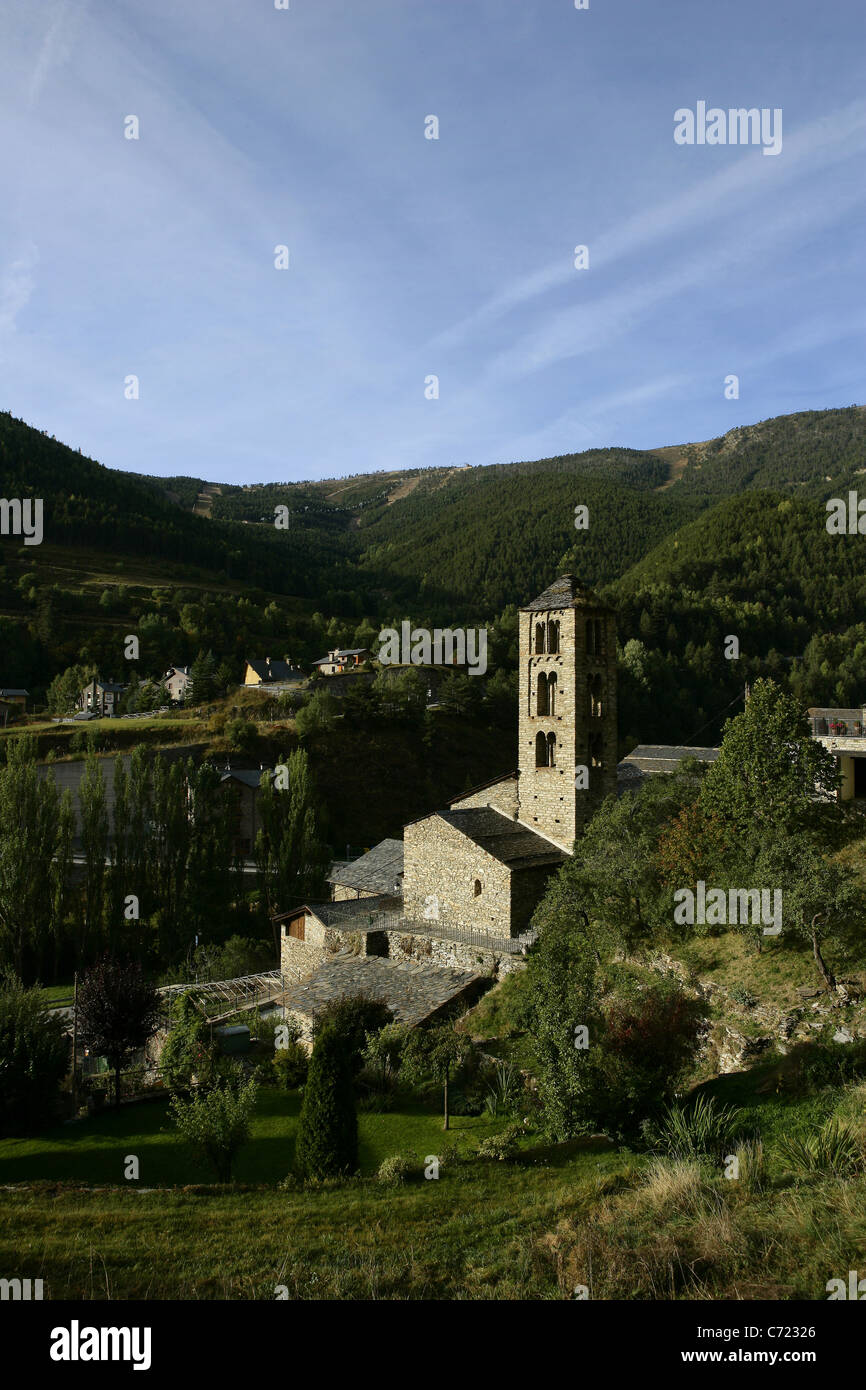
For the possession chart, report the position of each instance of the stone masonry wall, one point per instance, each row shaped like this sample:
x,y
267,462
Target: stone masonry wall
x,y
440,869
300,958
455,954
502,797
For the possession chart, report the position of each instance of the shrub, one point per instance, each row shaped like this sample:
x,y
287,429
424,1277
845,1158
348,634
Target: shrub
x,y
34,1057
651,1033
504,1091
328,1129
395,1169
187,1051
700,1129
290,1066
502,1146
833,1149
216,1122
353,1017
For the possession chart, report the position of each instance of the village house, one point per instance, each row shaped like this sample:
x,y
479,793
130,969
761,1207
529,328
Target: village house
x,y
338,661
176,683
246,785
13,703
100,697
11,696
270,672
843,733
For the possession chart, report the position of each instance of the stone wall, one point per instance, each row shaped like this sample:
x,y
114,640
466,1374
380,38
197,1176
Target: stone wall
x,y
502,796
455,954
340,894
441,868
300,958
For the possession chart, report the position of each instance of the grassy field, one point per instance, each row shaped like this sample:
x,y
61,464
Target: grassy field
x,y
622,1224
92,1151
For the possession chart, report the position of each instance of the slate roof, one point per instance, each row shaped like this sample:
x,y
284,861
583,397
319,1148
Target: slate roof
x,y
355,914
249,778
8,690
513,844
412,990
269,670
662,757
377,871
338,655
564,592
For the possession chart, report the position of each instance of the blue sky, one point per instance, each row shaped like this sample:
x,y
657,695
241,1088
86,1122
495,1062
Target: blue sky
x,y
412,257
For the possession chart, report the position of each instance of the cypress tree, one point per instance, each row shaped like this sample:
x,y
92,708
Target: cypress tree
x,y
328,1131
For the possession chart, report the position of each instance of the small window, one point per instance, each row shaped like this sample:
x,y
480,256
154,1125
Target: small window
x,y
551,750
476,888
553,636
540,750
539,638
541,697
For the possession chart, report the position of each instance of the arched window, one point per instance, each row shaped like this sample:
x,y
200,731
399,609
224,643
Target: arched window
x,y
542,704
553,636
551,750
593,696
540,750
476,888
539,638
551,693
595,750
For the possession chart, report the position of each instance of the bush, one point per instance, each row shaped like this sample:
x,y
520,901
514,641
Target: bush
x,y
328,1129
216,1122
701,1129
34,1057
290,1066
187,1051
354,1018
395,1169
502,1146
505,1090
833,1149
651,1031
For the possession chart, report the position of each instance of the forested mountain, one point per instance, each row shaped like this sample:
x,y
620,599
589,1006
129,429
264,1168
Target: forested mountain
x,y
690,543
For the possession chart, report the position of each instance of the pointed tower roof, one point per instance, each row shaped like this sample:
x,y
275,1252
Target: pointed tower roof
x,y
564,592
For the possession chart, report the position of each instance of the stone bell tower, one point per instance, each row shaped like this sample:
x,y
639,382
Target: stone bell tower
x,y
567,710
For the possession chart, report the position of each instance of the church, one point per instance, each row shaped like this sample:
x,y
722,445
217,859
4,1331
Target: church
x,y
460,898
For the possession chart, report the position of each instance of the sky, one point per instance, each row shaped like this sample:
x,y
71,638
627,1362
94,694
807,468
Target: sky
x,y
412,258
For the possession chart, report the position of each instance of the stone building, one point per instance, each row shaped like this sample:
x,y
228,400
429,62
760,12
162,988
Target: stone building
x,y
474,873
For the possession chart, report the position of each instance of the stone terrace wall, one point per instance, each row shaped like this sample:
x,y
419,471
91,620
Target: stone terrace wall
x,y
456,954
